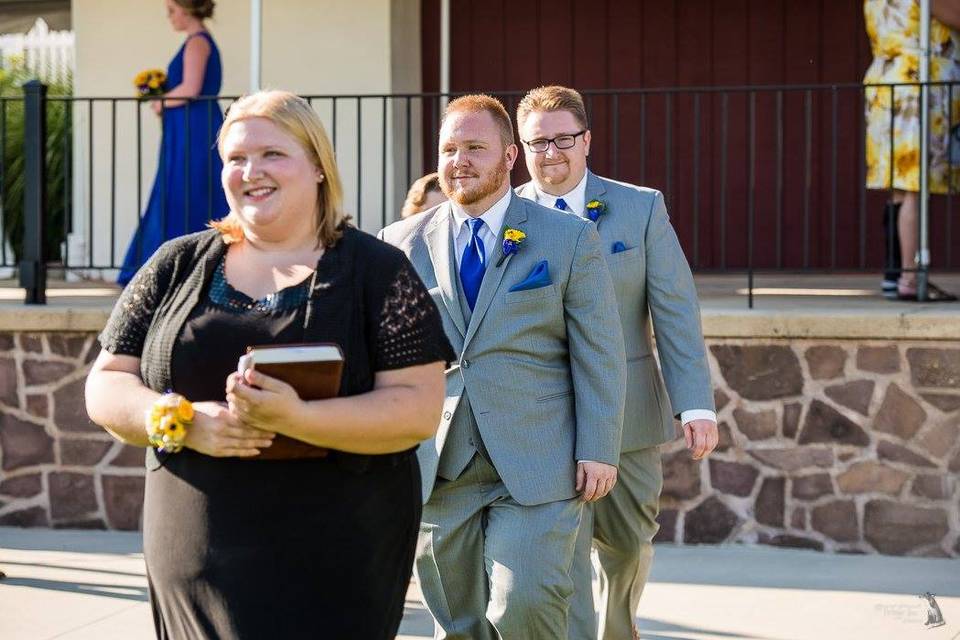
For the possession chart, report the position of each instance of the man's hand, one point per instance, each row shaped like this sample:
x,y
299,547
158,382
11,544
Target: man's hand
x,y
702,437
595,480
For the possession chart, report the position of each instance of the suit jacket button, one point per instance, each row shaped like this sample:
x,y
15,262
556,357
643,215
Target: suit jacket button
x,y
465,364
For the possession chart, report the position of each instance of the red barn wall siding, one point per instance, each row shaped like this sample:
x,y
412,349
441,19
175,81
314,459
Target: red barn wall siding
x,y
817,218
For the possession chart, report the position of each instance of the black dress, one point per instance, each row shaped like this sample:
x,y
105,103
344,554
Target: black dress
x,y
299,548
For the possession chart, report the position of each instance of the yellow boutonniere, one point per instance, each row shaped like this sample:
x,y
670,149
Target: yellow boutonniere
x,y
595,209
512,239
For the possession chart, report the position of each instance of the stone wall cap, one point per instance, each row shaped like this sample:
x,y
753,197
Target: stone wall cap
x,y
926,323
54,317
726,323
919,322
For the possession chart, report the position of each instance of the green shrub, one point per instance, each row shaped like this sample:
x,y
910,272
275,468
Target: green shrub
x,y
57,153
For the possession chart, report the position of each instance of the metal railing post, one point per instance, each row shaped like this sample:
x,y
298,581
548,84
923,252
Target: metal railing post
x,y
923,228
33,264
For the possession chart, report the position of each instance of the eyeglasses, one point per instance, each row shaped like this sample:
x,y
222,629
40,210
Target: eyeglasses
x,y
564,141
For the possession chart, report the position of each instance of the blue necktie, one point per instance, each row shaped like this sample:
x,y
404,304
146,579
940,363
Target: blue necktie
x,y
473,264
561,204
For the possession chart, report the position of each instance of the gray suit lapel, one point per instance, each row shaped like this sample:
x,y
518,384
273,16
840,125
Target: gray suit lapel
x,y
595,191
440,244
515,218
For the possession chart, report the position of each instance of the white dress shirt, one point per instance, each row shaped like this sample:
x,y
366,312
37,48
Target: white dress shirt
x,y
493,220
576,203
576,198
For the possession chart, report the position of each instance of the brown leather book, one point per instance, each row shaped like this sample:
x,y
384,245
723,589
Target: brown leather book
x,y
314,370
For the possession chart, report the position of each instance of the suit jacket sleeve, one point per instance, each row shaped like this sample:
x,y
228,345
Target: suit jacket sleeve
x,y
672,299
597,356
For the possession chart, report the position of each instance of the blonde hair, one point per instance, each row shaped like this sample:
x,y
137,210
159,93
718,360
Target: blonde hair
x,y
553,98
418,193
478,102
293,115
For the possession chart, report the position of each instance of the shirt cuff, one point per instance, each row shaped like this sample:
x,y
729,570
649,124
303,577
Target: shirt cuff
x,y
582,461
698,414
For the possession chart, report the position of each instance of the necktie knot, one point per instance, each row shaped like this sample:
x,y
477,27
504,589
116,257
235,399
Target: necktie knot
x,y
476,224
561,204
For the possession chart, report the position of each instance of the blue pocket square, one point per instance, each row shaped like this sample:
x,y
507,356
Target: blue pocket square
x,y
539,277
618,247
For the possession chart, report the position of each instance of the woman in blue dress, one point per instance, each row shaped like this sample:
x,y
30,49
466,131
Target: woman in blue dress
x,y
186,192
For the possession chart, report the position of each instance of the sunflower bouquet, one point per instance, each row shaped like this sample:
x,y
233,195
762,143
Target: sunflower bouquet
x,y
150,82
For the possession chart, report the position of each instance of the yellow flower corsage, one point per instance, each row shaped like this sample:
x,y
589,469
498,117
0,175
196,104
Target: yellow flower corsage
x,y
595,209
167,421
512,239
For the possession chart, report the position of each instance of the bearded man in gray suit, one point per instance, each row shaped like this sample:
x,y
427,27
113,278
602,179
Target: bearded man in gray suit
x,y
652,280
530,430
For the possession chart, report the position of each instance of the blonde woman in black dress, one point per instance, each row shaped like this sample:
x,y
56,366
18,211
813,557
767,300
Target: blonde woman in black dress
x,y
278,518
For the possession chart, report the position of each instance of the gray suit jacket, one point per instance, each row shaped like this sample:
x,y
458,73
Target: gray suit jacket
x,y
544,368
651,278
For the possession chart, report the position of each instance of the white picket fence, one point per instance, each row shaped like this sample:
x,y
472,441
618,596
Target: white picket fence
x,y
47,54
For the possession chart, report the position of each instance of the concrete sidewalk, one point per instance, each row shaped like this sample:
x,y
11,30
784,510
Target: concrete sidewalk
x,y
90,585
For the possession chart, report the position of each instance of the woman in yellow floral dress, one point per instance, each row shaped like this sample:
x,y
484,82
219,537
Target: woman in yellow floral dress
x,y
894,30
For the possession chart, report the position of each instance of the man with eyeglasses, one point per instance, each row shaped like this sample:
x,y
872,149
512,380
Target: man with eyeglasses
x,y
652,282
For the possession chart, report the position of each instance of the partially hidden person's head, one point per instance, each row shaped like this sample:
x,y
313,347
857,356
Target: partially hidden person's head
x,y
476,151
553,126
183,14
280,175
424,194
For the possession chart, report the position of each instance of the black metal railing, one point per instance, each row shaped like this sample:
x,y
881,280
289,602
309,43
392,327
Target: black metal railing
x,y
756,178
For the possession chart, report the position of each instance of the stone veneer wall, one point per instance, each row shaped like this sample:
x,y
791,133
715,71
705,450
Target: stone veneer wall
x,y
56,467
838,445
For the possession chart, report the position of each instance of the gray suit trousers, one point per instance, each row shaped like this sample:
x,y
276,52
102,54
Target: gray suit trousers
x,y
621,527
490,568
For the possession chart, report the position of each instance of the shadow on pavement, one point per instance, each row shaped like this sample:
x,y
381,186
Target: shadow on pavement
x,y
122,592
69,541
778,568
66,567
649,629
416,621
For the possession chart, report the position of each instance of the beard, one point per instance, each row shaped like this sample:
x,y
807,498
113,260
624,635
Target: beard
x,y
489,184
553,174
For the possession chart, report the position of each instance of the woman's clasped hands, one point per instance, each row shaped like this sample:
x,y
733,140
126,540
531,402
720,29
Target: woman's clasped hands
x,y
264,403
218,432
258,407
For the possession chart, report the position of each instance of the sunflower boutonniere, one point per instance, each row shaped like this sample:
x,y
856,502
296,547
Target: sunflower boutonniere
x,y
595,209
512,239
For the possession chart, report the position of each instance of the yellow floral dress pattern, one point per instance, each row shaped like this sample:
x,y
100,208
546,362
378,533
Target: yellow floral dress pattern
x,y
894,30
